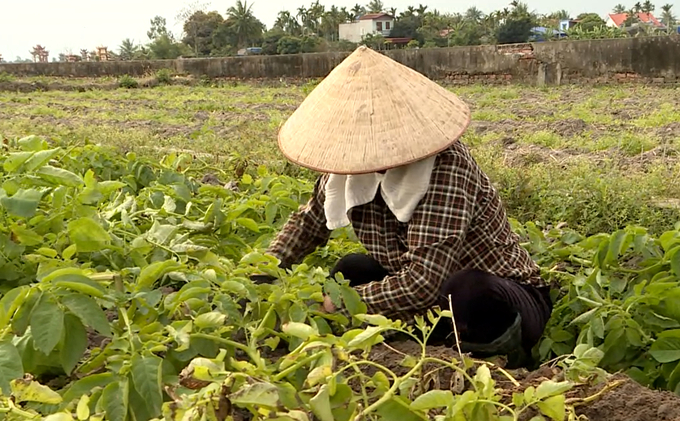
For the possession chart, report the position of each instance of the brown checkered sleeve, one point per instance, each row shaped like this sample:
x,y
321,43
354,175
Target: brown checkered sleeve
x,y
435,235
304,231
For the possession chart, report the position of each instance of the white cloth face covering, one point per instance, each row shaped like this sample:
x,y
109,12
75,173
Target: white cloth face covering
x,y
402,188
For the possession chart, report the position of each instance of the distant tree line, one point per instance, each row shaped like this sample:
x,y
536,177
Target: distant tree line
x,y
315,29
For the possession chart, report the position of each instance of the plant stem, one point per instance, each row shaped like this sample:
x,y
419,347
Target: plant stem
x,y
388,395
295,366
229,342
605,389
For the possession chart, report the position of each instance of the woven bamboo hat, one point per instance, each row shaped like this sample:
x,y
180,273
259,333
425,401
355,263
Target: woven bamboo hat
x,y
371,114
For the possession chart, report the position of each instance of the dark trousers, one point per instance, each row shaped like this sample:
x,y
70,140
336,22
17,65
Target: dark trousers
x,y
484,306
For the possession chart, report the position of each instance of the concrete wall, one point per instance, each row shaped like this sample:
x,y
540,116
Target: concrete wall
x,y
631,59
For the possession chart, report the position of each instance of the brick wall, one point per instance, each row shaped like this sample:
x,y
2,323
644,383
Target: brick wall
x,y
653,60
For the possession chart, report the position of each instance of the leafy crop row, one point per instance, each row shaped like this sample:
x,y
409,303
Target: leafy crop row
x,y
125,294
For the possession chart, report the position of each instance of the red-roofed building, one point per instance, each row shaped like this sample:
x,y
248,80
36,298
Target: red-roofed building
x,y
617,20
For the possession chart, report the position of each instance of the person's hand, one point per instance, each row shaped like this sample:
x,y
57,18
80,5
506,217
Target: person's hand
x,y
328,304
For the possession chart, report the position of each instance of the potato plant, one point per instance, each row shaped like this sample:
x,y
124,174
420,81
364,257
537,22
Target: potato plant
x,y
125,295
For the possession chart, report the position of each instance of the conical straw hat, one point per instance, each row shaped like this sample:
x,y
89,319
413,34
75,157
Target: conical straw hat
x,y
370,114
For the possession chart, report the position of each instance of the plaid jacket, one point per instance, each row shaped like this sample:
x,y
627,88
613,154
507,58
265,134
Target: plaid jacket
x,y
460,223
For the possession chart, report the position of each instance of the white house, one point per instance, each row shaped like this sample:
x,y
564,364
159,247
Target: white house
x,y
371,23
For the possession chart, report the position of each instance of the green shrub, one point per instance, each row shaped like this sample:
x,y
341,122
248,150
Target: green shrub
x,y
6,77
128,82
164,76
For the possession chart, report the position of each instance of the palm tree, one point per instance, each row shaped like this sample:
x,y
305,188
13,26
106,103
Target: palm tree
x,y
127,50
648,6
375,6
619,8
244,23
357,10
560,15
667,16
473,14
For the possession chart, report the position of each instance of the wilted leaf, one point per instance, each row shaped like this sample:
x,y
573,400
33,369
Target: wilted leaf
x,y
299,330
260,394
321,405
32,391
433,399
211,319
551,388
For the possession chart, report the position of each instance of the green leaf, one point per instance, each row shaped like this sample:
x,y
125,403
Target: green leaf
x,y
352,300
248,223
26,237
86,384
433,399
261,394
83,408
597,325
74,343
15,160
47,323
59,176
675,261
321,404
551,388
32,391
32,143
211,319
11,366
24,203
60,416
365,336
79,283
40,158
150,274
299,330
10,303
666,349
553,407
88,311
88,235
146,376
397,408
115,400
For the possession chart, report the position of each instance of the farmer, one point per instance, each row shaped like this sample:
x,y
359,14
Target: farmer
x,y
385,139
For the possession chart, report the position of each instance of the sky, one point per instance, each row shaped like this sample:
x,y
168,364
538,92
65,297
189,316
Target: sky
x,y
66,26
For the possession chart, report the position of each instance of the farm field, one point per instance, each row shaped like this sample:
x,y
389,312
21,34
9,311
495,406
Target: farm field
x,y
132,219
